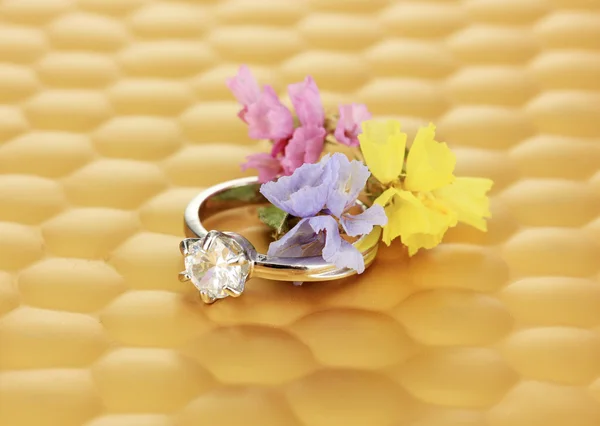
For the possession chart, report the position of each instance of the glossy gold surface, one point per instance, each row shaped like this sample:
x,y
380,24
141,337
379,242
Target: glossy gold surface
x,y
114,114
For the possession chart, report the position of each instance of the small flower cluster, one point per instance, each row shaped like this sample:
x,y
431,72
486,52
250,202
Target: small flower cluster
x,y
416,196
321,195
293,146
421,195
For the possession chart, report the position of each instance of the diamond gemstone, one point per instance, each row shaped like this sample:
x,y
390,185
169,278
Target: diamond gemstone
x,y
215,263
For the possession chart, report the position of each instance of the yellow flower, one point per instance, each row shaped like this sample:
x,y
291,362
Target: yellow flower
x,y
426,200
383,145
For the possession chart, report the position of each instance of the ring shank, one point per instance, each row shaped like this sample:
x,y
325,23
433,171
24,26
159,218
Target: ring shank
x,y
245,191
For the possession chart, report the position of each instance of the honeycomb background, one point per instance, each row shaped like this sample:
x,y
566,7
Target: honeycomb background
x,y
114,113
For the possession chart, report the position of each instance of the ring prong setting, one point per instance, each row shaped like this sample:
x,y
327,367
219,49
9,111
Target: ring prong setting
x,y
183,276
209,239
207,299
184,245
232,291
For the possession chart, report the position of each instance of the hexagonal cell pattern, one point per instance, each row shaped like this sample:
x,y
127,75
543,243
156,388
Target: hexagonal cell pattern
x,y
114,113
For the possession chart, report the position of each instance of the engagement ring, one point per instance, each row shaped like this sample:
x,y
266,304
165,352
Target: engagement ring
x,y
219,263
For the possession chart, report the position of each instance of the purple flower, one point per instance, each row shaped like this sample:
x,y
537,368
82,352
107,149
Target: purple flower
x,y
307,102
362,224
268,118
348,127
268,167
316,236
301,241
351,177
305,146
304,193
328,188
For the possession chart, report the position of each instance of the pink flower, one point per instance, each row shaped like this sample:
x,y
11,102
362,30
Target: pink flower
x,y
268,166
279,147
348,126
305,146
307,102
245,89
268,118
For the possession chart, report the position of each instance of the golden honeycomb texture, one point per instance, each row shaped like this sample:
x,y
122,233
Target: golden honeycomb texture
x,y
114,113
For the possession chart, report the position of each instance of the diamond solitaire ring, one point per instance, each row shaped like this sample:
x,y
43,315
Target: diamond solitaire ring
x,y
219,263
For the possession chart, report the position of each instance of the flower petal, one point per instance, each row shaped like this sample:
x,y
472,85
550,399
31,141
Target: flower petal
x,y
467,196
391,230
386,196
349,124
279,147
300,241
307,102
337,250
318,236
268,118
351,179
244,86
305,146
363,223
398,211
304,193
268,167
427,216
409,216
429,164
383,146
